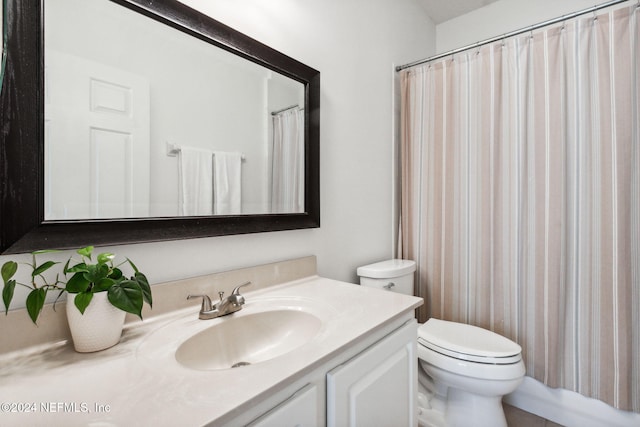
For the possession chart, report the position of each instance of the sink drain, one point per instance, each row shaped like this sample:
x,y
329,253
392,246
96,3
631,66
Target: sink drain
x,y
237,365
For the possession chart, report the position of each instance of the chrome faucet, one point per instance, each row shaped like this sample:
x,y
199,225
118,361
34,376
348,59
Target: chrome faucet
x,y
228,305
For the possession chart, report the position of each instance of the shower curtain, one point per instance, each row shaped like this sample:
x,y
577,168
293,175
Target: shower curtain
x,y
287,171
521,198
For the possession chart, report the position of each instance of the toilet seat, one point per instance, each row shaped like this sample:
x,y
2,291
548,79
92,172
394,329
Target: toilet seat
x,y
467,342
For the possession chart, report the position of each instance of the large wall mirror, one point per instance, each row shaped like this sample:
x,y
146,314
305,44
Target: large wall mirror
x,y
136,120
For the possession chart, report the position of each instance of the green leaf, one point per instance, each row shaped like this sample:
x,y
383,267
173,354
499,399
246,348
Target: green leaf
x,y
77,283
102,271
133,265
91,270
105,257
82,300
142,281
35,302
44,251
103,285
7,294
42,268
127,296
82,267
86,251
96,272
9,268
65,270
116,274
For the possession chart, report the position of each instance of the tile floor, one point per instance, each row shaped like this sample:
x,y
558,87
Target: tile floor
x,y
519,418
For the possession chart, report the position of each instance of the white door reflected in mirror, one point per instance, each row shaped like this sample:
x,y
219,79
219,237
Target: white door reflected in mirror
x,y
97,140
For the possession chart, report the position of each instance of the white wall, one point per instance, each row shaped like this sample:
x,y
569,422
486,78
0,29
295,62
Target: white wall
x,y
354,44
502,17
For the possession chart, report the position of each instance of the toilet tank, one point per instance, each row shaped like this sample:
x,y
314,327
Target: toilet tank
x,y
395,275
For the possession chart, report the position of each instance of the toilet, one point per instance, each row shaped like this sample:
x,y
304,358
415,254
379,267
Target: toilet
x,y
464,370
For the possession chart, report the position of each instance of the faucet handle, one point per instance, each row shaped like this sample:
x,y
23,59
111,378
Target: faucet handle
x,y
236,290
238,299
206,301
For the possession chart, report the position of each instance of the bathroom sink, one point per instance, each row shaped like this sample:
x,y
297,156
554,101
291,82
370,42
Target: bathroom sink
x,y
248,339
268,328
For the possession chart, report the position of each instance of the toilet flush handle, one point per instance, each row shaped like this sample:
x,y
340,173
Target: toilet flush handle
x,y
389,286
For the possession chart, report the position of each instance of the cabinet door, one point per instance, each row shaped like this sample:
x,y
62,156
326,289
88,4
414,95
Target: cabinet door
x,y
300,410
378,387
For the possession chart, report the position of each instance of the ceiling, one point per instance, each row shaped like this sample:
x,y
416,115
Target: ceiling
x,y
443,10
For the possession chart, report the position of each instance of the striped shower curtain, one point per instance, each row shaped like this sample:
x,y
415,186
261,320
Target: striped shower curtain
x,y
521,198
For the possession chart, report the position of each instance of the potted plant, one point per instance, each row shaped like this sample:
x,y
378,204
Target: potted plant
x,y
102,295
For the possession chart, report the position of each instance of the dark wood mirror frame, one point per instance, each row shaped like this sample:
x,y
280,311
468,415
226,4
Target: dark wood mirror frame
x,y
22,224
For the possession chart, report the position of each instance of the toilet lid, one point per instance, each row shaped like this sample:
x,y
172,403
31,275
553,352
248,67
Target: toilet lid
x,y
468,342
387,269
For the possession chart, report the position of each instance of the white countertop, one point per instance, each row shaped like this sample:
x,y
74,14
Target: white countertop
x,y
139,382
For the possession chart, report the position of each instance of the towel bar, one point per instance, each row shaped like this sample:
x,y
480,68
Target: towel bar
x,y
174,149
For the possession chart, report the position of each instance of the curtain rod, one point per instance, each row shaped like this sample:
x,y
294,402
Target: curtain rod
x,y
273,113
512,33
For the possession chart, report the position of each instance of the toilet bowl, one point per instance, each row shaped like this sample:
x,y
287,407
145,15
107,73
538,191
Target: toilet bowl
x,y
469,369
464,370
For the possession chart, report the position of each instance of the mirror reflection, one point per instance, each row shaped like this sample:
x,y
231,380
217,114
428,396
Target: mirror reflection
x,y
156,123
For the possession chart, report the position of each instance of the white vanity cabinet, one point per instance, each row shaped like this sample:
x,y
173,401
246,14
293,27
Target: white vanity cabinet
x,y
373,383
378,387
300,410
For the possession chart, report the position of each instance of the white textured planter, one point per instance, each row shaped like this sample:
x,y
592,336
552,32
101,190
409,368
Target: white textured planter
x,y
100,326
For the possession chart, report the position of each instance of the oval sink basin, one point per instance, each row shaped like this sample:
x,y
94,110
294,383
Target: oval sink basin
x,y
247,340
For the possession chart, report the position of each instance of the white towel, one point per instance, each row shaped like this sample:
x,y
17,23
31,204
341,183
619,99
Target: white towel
x,y
227,183
196,181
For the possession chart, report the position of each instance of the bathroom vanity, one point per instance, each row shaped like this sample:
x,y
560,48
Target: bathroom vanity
x,y
313,351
